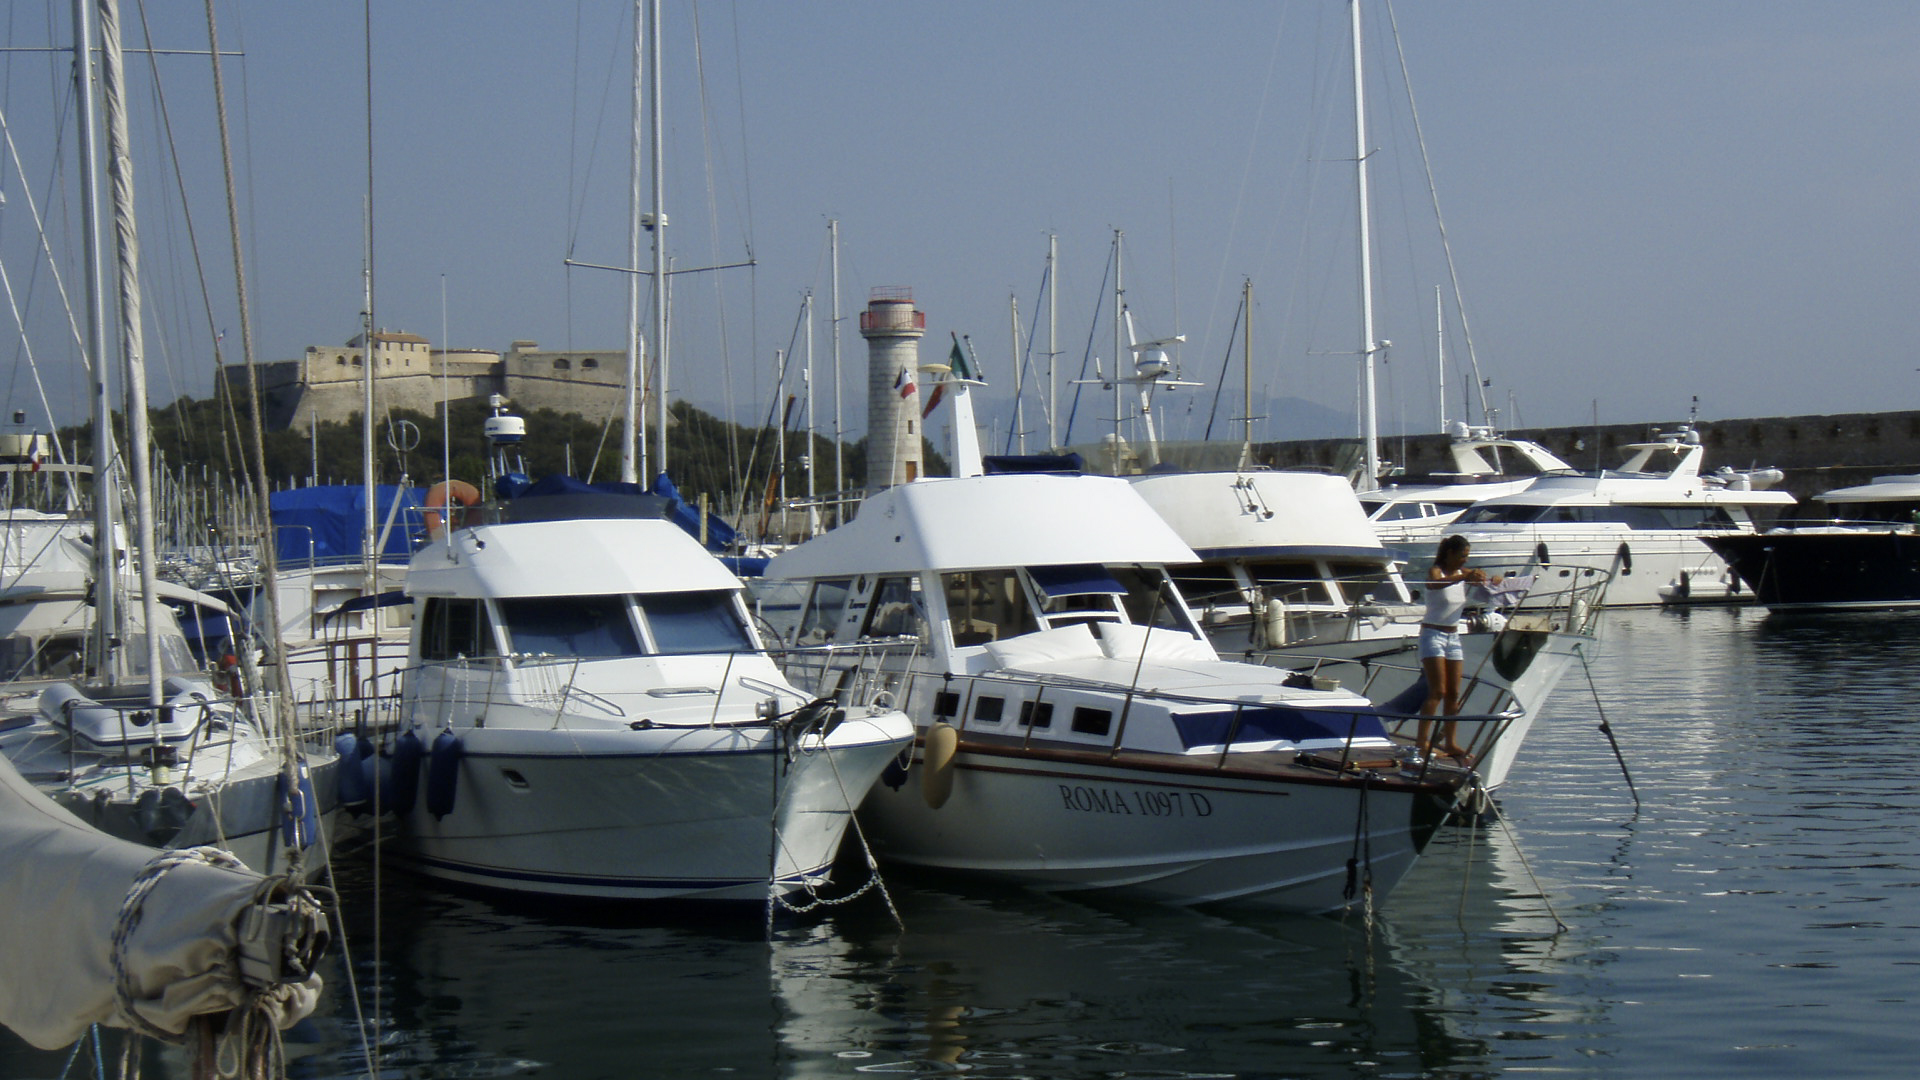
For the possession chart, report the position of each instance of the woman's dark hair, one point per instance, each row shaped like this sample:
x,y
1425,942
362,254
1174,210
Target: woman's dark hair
x,y
1450,544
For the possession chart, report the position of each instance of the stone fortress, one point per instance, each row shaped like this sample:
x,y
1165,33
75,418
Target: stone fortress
x,y
328,383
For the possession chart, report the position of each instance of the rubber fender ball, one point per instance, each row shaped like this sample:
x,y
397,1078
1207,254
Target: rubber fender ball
x,y
443,774
299,811
936,765
353,784
402,782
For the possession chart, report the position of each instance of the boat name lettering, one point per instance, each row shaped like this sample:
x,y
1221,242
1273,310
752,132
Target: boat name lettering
x,y
1161,804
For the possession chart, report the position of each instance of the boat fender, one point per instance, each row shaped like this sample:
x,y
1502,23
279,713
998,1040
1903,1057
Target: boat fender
x,y
936,765
443,774
1276,616
300,825
354,786
401,785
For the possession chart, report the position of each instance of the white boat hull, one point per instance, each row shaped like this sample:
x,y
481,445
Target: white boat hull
x,y
709,814
1658,558
1189,836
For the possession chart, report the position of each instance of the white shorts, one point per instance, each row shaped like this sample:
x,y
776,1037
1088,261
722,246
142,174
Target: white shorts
x,y
1440,644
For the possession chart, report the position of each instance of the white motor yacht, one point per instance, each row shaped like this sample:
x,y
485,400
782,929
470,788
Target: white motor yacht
x,y
596,719
1076,730
1647,517
1411,513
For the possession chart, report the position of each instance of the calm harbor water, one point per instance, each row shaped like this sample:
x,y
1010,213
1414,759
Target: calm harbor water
x,y
1757,915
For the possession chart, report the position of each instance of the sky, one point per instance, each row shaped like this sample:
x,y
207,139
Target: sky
x,y
1645,202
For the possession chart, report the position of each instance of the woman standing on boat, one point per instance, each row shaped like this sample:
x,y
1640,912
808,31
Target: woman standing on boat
x,y
1440,649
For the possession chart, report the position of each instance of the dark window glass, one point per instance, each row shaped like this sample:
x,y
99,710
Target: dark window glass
x,y
946,703
987,710
455,628
686,623
1092,721
1036,714
585,626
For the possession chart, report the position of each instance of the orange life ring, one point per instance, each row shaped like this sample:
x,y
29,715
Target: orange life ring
x,y
457,497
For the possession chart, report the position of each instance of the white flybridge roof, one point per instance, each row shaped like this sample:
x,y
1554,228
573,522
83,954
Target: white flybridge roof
x,y
1221,512
982,522
580,557
1882,489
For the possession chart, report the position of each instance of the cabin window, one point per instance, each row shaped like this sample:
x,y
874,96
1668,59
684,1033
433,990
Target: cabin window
x,y
1037,714
1359,581
1205,585
1088,721
987,605
562,364
589,362
1151,599
1077,594
826,607
988,710
945,704
583,626
453,628
686,623
1291,581
896,610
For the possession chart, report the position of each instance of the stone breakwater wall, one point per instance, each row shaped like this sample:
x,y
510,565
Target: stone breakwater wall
x,y
1817,453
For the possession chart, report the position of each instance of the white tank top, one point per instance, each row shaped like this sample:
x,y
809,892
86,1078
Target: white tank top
x,y
1445,603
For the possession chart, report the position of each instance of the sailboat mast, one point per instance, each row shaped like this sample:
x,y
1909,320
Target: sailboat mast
x,y
106,611
1246,372
806,378
1019,370
1053,340
631,419
1119,344
127,261
1440,353
1369,406
839,463
659,243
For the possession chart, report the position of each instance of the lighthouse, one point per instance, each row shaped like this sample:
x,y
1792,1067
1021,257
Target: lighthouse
x,y
893,329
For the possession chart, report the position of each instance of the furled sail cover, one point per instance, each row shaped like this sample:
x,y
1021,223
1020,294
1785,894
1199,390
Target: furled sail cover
x,y
188,932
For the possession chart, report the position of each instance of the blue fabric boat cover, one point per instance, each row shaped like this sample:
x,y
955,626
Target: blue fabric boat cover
x,y
324,523
720,535
1261,723
994,464
1084,580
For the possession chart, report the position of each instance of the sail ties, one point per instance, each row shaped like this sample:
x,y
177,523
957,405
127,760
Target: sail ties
x,y
281,933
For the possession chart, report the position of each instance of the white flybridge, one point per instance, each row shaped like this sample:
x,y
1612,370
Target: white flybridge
x,y
598,720
1646,518
1076,730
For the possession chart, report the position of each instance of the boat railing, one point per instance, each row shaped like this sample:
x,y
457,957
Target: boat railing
x,y
882,674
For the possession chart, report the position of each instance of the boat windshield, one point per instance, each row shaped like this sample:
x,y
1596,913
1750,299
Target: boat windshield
x,y
584,626
684,623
